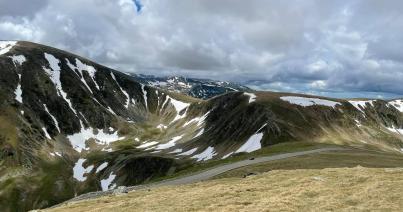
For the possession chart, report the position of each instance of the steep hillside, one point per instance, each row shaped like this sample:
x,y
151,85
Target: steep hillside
x,y
69,126
198,88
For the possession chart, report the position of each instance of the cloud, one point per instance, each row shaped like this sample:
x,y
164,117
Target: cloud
x,y
323,47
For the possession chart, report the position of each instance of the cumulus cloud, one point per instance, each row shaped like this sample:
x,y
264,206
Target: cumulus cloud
x,y
337,48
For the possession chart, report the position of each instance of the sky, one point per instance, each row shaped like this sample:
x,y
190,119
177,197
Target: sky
x,y
343,48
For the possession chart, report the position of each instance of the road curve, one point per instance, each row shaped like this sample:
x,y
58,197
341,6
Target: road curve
x,y
204,175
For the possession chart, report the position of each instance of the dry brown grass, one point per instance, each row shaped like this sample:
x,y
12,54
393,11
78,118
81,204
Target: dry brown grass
x,y
341,189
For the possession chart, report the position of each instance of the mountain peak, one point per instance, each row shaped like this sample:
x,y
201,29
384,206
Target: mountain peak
x,y
195,87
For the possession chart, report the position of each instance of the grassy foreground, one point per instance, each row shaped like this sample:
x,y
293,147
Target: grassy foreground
x,y
340,159
341,189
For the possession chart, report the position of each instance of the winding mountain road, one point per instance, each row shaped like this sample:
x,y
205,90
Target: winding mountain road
x,y
205,175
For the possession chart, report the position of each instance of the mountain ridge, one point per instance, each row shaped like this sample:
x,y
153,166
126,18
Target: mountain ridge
x,y
195,87
69,126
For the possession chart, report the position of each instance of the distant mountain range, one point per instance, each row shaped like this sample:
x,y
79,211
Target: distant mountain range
x,y
198,88
69,126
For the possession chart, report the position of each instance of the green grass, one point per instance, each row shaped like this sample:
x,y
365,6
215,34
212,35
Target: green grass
x,y
339,159
267,151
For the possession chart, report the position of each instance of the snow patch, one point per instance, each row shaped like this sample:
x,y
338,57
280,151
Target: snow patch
x,y
252,144
72,67
178,105
170,143
358,123
90,70
5,46
106,183
305,101
101,167
398,104
395,130
206,154
252,97
199,120
360,105
78,140
161,126
176,151
18,59
79,171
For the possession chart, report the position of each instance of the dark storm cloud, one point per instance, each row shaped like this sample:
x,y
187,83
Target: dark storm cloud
x,y
21,7
314,46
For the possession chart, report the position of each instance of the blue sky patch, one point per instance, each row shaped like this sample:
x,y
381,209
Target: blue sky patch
x,y
138,5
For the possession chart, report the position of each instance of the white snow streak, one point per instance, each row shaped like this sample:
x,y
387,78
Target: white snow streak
x,y
101,167
199,120
123,91
147,144
161,127
18,90
46,133
395,130
178,105
5,46
55,153
144,95
90,70
227,155
206,154
170,143
252,97
72,67
189,152
361,104
398,104
199,133
54,75
305,101
176,151
53,118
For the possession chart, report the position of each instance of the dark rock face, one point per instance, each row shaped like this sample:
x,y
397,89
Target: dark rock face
x,y
135,172
70,126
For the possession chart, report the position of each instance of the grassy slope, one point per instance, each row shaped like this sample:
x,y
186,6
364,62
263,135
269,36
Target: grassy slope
x,y
348,158
341,189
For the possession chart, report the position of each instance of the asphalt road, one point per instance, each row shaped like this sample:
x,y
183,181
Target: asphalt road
x,y
205,175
